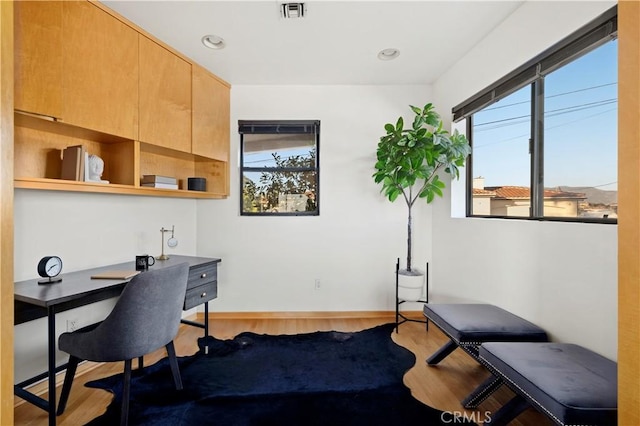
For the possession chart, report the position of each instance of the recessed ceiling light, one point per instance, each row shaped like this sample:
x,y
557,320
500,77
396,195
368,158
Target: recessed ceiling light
x,y
388,54
213,42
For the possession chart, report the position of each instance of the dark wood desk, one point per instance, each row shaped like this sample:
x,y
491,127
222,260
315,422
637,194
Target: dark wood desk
x,y
78,289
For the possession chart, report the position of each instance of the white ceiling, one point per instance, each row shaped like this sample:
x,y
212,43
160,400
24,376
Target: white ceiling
x,y
337,42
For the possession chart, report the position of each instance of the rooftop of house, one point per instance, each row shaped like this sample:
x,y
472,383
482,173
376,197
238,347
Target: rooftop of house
x,y
523,192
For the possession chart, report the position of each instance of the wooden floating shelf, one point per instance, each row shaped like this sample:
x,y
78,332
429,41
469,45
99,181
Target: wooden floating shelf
x,y
76,186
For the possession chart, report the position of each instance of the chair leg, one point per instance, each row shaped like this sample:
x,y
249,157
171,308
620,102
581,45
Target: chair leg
x,y
173,361
126,386
68,381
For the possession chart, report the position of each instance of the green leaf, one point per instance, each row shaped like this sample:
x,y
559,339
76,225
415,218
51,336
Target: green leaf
x,y
416,162
430,197
417,122
389,128
399,124
432,119
429,157
416,110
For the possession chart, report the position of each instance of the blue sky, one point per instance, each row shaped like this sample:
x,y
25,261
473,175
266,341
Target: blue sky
x,y
580,128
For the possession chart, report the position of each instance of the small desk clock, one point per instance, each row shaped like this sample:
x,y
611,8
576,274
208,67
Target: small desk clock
x,y
49,267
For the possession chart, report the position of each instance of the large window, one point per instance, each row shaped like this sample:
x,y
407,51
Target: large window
x,y
544,138
279,167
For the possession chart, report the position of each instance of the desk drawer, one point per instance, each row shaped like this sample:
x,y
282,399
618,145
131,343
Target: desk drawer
x,y
198,295
202,274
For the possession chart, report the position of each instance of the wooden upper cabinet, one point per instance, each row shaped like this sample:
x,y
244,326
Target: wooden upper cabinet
x,y
100,83
210,115
165,97
38,57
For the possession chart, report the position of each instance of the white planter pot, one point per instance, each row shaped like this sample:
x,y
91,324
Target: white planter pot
x,y
410,285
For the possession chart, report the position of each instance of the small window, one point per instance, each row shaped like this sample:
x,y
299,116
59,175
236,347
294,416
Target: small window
x,y
279,167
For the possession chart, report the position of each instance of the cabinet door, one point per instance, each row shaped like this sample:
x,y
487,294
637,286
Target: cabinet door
x,y
38,57
210,120
165,97
100,55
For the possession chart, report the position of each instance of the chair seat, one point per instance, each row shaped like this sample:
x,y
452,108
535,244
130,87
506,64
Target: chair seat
x,y
569,383
474,324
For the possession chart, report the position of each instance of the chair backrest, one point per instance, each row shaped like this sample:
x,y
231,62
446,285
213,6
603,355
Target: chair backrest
x,y
147,315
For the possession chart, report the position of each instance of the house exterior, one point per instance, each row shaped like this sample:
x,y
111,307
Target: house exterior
x,y
515,201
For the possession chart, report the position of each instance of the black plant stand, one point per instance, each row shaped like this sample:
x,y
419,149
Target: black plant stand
x,y
400,318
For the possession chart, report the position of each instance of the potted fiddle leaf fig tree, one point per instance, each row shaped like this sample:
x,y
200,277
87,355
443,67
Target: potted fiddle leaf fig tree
x,y
410,165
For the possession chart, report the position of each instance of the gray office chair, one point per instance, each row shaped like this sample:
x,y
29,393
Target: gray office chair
x,y
145,318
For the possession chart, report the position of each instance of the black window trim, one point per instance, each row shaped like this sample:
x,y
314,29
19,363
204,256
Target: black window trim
x,y
599,31
280,127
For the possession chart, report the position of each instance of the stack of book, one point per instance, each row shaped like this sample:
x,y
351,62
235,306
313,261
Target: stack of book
x,y
157,181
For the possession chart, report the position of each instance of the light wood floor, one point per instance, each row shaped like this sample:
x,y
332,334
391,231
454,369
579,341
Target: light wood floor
x,y
442,386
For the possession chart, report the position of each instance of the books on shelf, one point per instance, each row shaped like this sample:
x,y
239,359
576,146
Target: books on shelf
x,y
73,163
159,179
161,185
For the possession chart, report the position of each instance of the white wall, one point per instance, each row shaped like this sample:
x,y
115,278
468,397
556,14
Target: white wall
x,y
87,230
561,276
271,263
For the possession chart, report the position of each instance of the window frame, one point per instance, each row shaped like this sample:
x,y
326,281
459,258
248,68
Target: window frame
x,y
284,127
596,33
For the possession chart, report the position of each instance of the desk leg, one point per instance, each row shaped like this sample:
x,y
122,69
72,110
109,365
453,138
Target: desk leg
x,y
206,319
206,325
51,314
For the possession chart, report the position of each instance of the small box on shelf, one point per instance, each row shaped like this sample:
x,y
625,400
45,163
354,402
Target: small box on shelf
x,y
197,184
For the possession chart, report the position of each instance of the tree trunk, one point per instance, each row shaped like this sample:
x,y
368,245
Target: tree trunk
x,y
409,240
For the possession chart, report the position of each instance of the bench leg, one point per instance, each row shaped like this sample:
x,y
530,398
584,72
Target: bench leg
x,y
508,412
442,353
482,392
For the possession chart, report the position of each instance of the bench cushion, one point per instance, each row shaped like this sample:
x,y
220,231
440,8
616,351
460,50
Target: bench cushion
x,y
472,323
569,382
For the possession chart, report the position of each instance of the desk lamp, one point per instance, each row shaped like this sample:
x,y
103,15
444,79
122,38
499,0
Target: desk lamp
x,y
171,242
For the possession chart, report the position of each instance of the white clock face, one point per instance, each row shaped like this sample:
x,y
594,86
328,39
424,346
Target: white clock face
x,y
53,266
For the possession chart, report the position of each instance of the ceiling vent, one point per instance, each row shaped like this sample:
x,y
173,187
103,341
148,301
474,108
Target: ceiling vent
x,y
292,10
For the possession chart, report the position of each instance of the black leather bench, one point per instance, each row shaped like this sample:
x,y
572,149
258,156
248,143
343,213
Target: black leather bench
x,y
470,325
569,383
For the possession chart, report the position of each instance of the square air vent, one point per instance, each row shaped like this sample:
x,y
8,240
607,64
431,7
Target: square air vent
x,y
292,10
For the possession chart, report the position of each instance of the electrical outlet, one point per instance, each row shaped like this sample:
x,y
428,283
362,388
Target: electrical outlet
x,y
72,324
317,284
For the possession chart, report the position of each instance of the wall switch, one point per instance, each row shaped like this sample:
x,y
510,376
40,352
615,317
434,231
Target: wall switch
x,y
317,284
